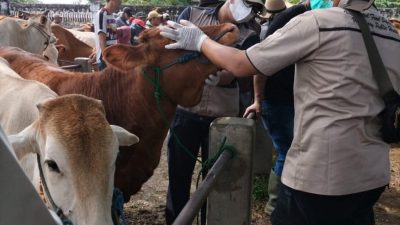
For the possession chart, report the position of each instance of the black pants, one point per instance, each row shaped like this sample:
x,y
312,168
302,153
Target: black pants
x,y
301,208
192,131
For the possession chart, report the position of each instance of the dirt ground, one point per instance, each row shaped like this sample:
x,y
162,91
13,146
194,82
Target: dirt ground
x,y
147,207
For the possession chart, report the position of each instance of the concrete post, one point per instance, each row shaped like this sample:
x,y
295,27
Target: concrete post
x,y
230,200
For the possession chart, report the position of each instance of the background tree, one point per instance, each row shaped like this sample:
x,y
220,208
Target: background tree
x,y
379,3
150,2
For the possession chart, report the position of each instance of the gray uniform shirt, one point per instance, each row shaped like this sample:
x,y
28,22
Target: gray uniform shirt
x,y
337,147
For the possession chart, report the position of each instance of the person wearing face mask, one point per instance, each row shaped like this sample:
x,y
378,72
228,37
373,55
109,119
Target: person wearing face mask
x,y
338,163
220,98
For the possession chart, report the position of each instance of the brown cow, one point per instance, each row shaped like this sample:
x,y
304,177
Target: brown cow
x,y
128,96
69,47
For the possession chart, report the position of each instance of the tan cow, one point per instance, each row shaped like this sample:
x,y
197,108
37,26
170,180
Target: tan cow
x,y
32,35
127,89
76,145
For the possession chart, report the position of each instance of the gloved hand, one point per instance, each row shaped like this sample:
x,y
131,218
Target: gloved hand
x,y
213,79
186,35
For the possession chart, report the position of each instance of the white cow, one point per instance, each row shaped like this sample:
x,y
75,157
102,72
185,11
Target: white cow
x,y
77,146
86,37
33,35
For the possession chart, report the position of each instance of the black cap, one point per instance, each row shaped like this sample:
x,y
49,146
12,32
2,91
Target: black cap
x,y
140,15
128,11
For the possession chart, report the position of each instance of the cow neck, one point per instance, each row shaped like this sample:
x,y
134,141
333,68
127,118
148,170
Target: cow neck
x,y
190,55
158,92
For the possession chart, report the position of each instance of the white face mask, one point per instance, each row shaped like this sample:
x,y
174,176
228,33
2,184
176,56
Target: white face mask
x,y
241,13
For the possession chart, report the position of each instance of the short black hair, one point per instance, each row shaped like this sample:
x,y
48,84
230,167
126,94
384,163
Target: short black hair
x,y
128,11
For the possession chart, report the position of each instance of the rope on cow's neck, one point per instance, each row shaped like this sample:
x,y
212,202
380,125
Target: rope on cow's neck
x,y
42,32
57,209
210,162
158,93
186,57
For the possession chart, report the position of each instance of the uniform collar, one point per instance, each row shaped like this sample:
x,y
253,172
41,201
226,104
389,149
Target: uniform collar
x,y
213,10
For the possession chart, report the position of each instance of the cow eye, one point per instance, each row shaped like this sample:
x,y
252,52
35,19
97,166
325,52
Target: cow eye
x,y
52,166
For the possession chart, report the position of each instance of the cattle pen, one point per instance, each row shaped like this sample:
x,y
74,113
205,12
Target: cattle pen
x,y
73,17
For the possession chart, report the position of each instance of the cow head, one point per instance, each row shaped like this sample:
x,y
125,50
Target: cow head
x,y
42,24
37,30
184,82
78,150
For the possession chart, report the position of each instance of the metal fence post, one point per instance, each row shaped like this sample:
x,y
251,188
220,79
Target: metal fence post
x,y
86,66
229,202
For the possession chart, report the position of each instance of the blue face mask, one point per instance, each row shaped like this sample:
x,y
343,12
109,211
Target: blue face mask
x,y
321,4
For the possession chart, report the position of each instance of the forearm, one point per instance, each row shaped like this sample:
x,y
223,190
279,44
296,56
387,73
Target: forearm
x,y
228,58
102,41
259,85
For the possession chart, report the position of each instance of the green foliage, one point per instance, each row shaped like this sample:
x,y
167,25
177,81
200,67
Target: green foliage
x,y
294,2
388,3
260,188
379,3
150,2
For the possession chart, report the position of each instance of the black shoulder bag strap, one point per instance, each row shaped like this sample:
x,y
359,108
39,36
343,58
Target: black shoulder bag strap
x,y
378,69
390,116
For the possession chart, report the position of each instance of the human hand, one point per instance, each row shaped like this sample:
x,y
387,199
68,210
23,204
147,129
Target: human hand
x,y
254,108
213,79
187,35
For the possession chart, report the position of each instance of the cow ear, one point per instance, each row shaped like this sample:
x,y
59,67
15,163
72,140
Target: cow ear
x,y
46,13
125,138
43,19
24,142
123,57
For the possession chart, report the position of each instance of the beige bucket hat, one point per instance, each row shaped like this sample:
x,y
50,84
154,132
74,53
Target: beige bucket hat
x,y
258,5
272,7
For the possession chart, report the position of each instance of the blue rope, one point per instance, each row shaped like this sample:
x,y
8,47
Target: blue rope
x,y
118,205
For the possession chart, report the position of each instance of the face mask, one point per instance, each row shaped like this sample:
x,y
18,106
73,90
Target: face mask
x,y
240,12
321,4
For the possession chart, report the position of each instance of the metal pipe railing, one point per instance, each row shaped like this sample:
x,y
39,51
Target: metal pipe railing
x,y
198,198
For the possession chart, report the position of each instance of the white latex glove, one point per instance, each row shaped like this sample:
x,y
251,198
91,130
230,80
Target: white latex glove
x,y
213,79
186,35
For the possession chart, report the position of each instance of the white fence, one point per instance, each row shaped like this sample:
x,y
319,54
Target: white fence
x,y
75,15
